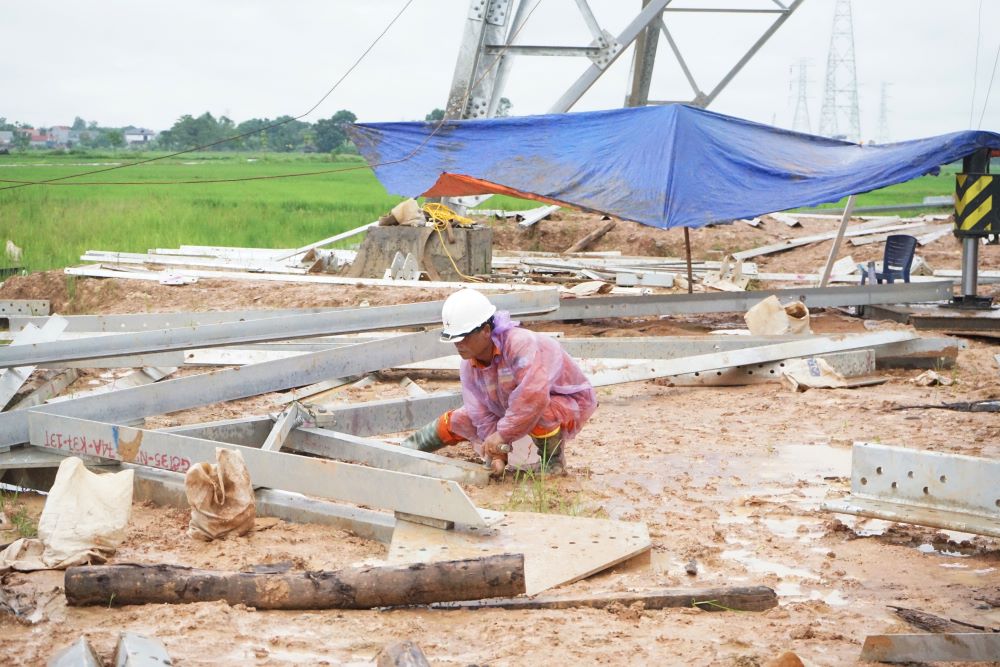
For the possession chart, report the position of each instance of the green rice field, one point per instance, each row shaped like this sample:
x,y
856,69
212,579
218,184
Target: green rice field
x,y
55,224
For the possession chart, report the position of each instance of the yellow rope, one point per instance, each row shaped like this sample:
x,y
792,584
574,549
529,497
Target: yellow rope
x,y
441,216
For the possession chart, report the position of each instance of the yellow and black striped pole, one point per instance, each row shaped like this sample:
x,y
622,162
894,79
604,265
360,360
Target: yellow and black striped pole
x,y
974,205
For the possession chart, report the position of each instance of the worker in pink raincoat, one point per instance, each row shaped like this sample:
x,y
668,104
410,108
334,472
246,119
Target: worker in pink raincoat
x,y
514,383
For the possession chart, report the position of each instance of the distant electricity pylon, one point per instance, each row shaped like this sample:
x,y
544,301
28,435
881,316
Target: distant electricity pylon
x,y
839,116
883,116
800,121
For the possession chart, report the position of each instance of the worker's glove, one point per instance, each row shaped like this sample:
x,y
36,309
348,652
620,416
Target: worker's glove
x,y
495,457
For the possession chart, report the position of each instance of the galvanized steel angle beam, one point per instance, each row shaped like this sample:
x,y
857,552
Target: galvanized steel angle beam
x,y
669,347
388,416
815,297
651,369
353,449
360,485
359,419
293,417
23,307
225,385
950,491
246,431
295,326
17,374
53,386
308,439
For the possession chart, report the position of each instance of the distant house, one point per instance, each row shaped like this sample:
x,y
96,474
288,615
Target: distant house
x,y
6,137
138,135
38,138
60,135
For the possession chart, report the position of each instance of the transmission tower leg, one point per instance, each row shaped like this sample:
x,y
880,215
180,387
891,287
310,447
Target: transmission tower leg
x,y
643,60
475,72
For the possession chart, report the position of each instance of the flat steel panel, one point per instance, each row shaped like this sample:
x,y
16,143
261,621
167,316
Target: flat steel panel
x,y
938,647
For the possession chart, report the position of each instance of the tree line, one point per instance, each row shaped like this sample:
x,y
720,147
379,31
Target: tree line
x,y
283,134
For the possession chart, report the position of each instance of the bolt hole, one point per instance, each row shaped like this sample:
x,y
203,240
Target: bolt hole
x,y
878,470
943,479
864,480
894,485
910,474
926,491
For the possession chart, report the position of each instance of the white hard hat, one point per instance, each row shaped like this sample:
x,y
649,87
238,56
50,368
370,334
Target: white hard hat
x,y
464,312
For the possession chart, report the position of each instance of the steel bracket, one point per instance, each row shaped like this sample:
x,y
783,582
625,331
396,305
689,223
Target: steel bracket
x,y
608,48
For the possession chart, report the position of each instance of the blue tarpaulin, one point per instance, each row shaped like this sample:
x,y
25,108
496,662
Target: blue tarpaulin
x,y
665,166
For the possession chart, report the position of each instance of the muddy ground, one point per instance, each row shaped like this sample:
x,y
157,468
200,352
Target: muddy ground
x,y
729,477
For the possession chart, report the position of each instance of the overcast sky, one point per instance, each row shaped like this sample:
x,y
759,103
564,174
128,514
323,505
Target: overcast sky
x,y
148,63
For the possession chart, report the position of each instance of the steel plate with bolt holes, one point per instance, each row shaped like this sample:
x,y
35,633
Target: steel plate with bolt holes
x,y
557,549
949,491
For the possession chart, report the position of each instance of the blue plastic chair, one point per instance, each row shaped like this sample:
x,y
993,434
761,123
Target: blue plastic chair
x,y
899,250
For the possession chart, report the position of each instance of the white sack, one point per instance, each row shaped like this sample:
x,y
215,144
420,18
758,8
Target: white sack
x,y
83,521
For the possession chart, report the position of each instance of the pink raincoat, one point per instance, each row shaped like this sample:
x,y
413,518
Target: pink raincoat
x,y
532,385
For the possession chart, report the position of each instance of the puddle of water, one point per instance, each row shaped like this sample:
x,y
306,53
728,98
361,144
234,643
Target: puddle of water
x,y
760,566
807,461
669,564
792,592
931,549
792,529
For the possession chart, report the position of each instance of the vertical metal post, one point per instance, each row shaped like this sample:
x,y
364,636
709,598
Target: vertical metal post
x,y
970,267
976,163
687,247
837,241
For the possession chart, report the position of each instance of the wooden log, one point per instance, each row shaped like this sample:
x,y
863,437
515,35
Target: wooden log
x,y
401,654
591,238
350,588
741,598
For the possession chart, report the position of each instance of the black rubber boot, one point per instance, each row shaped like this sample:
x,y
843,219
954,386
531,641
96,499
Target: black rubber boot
x,y
426,439
552,453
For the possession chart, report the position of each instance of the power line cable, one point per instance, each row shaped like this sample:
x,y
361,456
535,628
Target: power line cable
x,y
989,88
416,150
322,99
975,71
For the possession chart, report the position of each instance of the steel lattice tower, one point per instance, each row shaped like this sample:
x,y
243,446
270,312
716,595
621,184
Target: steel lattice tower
x,y
800,121
840,115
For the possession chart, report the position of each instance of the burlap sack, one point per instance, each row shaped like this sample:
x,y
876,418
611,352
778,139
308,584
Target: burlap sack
x,y
407,212
221,497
